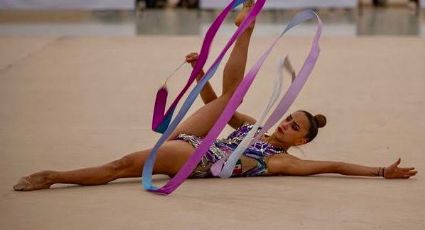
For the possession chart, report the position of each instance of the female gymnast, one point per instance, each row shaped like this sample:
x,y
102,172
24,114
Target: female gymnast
x,y
268,156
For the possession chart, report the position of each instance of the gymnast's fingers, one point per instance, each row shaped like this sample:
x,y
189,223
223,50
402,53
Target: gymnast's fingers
x,y
412,173
188,57
406,169
191,58
192,55
395,164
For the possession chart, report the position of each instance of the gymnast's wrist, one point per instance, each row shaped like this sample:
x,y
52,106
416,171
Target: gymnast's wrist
x,y
200,75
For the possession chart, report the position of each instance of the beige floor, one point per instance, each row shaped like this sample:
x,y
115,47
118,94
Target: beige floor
x,y
75,102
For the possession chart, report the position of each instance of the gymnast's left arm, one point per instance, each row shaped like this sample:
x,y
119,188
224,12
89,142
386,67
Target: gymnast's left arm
x,y
281,165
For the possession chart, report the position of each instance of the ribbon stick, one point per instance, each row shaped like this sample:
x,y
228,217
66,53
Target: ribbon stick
x,y
286,101
195,158
160,102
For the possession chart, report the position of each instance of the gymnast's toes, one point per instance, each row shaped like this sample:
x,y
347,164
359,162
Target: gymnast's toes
x,y
22,185
33,182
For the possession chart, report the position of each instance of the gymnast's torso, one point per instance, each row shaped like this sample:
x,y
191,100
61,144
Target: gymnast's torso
x,y
252,163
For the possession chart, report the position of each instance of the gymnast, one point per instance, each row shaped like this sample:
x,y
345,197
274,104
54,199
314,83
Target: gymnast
x,y
266,157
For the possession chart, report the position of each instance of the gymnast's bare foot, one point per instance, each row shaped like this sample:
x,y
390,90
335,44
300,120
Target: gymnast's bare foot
x,y
36,181
242,14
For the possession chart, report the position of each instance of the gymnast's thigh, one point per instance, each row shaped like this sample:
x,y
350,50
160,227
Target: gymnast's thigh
x,y
170,158
200,122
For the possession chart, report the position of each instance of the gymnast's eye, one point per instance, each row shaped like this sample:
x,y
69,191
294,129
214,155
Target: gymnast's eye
x,y
295,126
289,118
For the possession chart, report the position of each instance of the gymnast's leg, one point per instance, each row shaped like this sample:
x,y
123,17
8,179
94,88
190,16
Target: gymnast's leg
x,y
203,119
171,156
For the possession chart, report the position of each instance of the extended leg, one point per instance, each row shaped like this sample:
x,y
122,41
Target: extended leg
x,y
203,119
171,156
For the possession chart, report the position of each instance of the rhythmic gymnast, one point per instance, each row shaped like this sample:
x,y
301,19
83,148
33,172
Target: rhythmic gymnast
x,y
268,156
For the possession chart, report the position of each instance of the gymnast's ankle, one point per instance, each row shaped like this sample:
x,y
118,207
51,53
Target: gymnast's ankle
x,y
244,12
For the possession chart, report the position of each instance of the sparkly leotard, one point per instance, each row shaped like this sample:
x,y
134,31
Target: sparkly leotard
x,y
222,148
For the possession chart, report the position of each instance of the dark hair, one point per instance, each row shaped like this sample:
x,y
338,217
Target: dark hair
x,y
316,122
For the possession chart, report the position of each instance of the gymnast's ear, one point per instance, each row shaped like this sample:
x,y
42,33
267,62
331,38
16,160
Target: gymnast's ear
x,y
301,141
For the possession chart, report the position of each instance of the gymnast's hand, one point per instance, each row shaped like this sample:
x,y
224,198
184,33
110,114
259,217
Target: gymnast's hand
x,y
192,58
393,171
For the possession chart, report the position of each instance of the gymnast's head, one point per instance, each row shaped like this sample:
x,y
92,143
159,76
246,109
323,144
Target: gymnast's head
x,y
298,128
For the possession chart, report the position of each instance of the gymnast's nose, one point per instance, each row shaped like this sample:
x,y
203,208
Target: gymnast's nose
x,y
284,126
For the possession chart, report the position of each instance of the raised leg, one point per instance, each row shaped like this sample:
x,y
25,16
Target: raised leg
x,y
171,156
204,118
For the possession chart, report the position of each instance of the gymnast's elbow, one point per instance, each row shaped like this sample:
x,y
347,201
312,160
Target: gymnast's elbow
x,y
285,166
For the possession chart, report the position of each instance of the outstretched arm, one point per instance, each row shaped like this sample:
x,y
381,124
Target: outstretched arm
x,y
208,94
291,166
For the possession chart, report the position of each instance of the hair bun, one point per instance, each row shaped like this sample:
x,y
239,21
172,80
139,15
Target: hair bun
x,y
320,120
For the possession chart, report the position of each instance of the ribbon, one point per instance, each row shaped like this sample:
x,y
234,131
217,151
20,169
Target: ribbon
x,y
195,158
232,105
286,101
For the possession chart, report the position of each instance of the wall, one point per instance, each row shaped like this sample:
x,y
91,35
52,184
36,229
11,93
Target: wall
x,y
67,4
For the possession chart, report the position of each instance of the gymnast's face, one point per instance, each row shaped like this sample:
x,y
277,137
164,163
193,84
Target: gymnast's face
x,y
293,129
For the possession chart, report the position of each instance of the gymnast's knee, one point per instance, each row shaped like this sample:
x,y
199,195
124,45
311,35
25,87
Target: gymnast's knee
x,y
122,166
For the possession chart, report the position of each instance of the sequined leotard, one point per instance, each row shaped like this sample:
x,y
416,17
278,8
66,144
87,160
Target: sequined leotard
x,y
222,148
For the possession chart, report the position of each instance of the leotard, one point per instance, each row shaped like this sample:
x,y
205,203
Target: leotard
x,y
222,148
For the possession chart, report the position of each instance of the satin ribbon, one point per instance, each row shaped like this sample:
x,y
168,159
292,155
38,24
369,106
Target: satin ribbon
x,y
186,170
284,104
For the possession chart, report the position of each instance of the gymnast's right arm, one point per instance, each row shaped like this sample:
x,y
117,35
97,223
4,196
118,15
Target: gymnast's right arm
x,y
208,94
283,164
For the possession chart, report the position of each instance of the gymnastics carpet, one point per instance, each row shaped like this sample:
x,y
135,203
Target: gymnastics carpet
x,y
73,102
